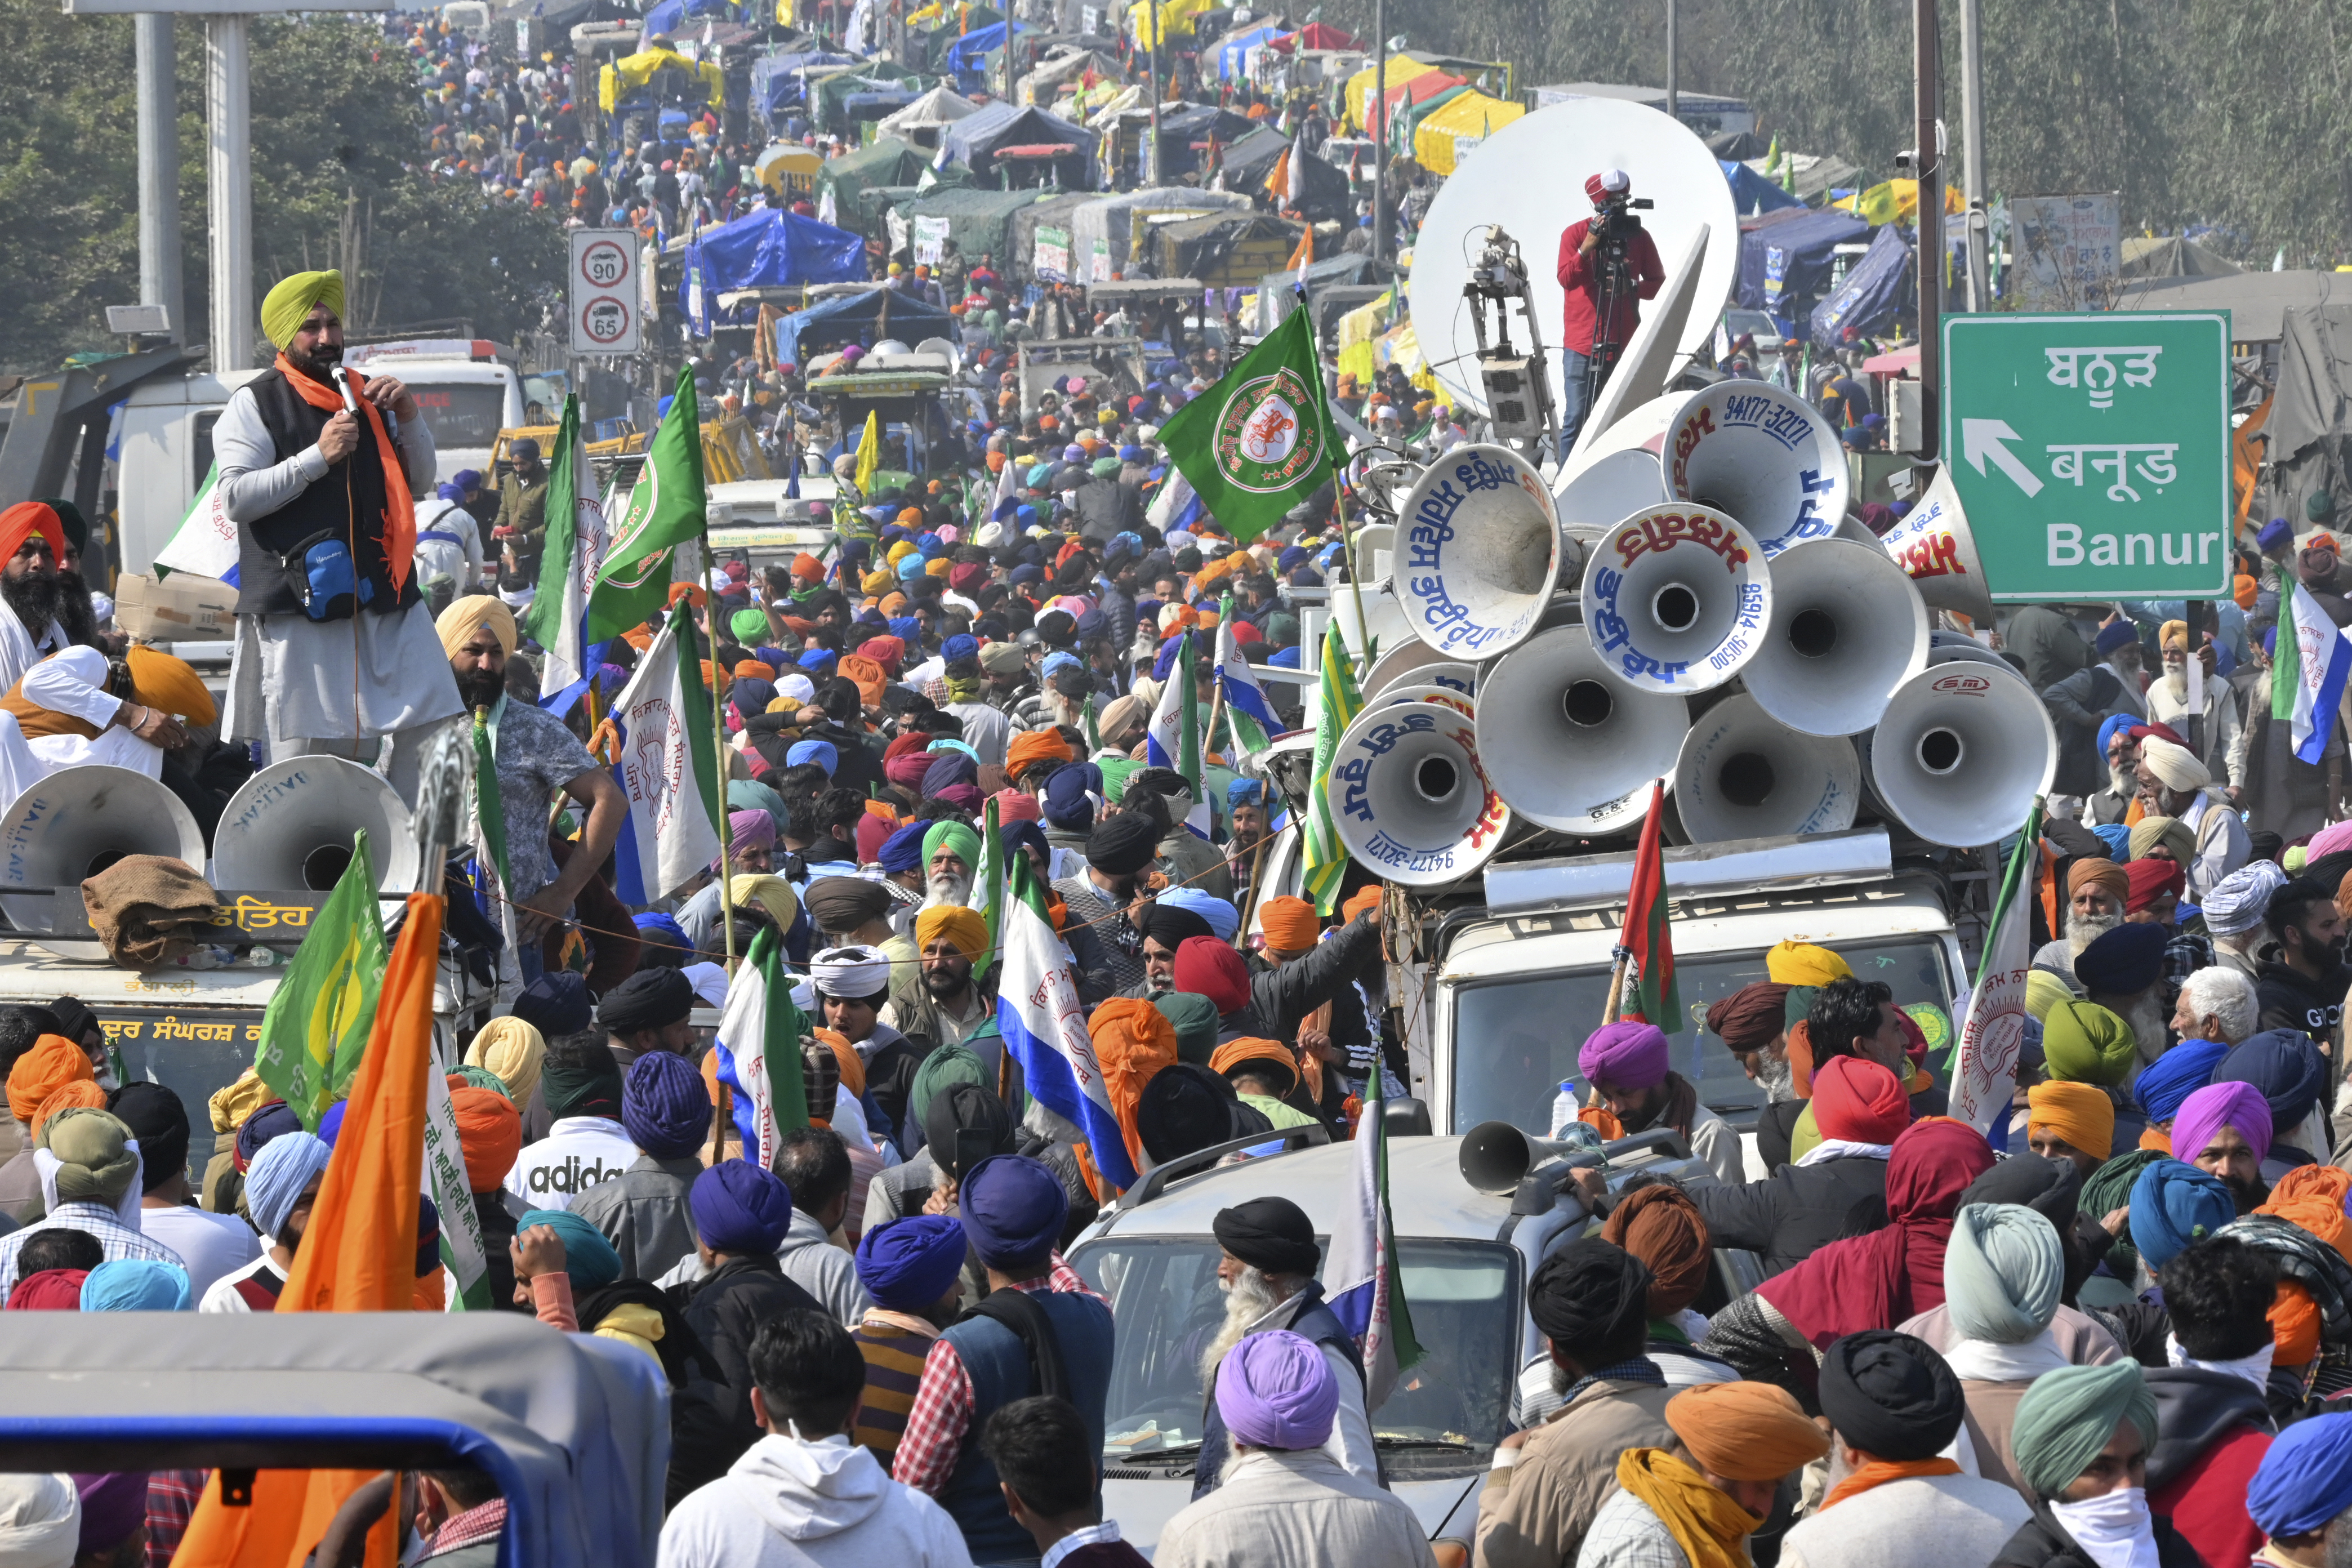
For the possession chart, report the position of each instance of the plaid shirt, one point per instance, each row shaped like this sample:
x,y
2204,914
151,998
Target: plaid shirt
x,y
477,1524
117,1240
941,1417
171,1502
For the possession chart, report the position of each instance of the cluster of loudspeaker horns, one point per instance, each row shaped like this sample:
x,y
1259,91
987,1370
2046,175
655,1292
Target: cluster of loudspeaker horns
x,y
1688,600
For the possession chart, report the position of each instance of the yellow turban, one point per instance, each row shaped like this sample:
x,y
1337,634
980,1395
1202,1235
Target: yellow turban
x,y
963,928
512,1049
1803,964
285,307
2081,1115
469,615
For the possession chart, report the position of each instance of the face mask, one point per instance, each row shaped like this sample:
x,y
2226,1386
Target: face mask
x,y
2113,1529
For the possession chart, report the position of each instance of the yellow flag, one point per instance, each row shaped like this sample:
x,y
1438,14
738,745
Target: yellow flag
x,y
870,452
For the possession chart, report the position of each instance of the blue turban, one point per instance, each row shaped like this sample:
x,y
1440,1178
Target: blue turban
x,y
274,1182
1066,789
2304,1478
2115,634
908,1264
740,1208
960,647
2176,1074
903,850
588,1258
1223,918
663,925
665,1106
1244,792
2115,721
330,1126
555,1004
2117,837
1017,835
2275,534
2173,1205
822,752
136,1285
2123,962
1012,1209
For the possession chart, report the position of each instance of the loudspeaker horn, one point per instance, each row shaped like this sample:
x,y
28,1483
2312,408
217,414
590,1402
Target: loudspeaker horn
x,y
1409,795
289,826
1568,742
1677,598
1755,451
1847,629
1744,774
75,824
1933,545
1495,1156
1477,549
1960,753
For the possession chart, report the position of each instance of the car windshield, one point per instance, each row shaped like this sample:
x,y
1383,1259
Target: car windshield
x,y
1510,1051
1464,1299
462,413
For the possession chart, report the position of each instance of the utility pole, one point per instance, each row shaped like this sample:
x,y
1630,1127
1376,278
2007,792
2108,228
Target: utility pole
x,y
228,160
159,173
1673,93
1972,152
1929,164
1379,140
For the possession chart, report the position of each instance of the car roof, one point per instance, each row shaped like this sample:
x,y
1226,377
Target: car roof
x,y
1427,1196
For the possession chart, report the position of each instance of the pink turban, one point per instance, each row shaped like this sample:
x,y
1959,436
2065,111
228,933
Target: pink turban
x,y
1629,1055
2220,1105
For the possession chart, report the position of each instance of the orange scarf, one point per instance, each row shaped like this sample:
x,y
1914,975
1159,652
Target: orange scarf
x,y
1706,1523
1878,1472
399,538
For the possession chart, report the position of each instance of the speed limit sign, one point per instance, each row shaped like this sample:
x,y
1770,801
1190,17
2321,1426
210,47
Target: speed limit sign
x,y
604,288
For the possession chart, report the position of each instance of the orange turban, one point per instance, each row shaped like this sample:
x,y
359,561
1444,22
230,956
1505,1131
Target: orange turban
x,y
1133,1040
1035,745
1744,1431
82,1091
1233,1053
489,1133
52,1063
1290,924
24,520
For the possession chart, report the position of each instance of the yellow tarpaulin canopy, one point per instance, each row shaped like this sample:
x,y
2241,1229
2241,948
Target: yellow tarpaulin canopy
x,y
635,70
1896,201
1359,86
1472,114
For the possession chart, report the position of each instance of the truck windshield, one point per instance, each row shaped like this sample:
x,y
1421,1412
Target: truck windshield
x,y
1464,1296
1515,1040
462,413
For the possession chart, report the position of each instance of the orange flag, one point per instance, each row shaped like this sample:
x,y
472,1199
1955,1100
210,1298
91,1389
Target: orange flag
x,y
359,1255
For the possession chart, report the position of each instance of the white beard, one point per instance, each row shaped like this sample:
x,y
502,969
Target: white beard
x,y
946,888
1247,1299
2082,931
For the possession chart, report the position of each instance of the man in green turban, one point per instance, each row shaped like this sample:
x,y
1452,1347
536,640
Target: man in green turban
x,y
335,653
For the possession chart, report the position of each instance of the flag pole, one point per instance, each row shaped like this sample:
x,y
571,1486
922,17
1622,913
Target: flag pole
x,y
718,745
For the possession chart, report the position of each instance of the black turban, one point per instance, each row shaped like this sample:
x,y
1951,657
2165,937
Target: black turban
x,y
842,904
1269,1234
649,999
1589,1296
1889,1394
2051,1188
1122,845
591,1088
159,1122
965,1108
1185,1107
1169,925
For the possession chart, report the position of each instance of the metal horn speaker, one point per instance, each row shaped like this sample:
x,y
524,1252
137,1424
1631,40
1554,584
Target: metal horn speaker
x,y
1960,753
1568,742
1677,598
289,826
1744,774
1847,629
1409,796
1477,549
1753,450
75,824
1933,545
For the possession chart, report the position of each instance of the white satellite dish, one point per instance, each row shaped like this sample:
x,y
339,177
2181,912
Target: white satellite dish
x,y
1565,143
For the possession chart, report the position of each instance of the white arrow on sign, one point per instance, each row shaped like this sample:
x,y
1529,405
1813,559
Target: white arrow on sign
x,y
1982,438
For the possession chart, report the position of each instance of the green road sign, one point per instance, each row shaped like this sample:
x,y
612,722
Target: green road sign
x,y
2091,453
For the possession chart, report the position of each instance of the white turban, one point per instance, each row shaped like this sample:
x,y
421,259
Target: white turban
x,y
40,1521
2176,767
858,972
2239,901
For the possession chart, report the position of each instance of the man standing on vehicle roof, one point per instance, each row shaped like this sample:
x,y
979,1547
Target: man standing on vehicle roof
x,y
335,653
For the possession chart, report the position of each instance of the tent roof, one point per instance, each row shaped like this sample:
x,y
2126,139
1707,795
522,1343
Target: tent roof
x,y
2257,301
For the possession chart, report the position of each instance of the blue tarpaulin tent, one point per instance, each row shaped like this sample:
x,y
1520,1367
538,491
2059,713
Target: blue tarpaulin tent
x,y
1871,294
768,249
1786,259
1752,192
852,318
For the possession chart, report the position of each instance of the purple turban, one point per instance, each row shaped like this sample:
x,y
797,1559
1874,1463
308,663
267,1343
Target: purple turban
x,y
910,1263
739,1208
1274,1390
1629,1055
665,1106
2220,1105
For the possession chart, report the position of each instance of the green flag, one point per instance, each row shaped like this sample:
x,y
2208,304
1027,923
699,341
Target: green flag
x,y
317,1023
666,511
1326,862
1260,441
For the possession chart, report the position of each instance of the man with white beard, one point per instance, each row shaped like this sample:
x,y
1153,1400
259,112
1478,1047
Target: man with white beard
x,y
1266,1267
951,852
2095,891
2119,972
2215,724
2173,782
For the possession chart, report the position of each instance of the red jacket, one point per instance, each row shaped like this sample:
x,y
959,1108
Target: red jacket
x,y
1583,286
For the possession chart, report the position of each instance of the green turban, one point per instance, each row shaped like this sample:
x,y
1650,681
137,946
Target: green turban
x,y
1194,1019
2070,1414
285,307
955,836
95,1164
2084,1043
751,624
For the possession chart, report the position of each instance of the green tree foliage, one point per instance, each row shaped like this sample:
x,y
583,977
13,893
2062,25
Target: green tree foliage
x,y
337,181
